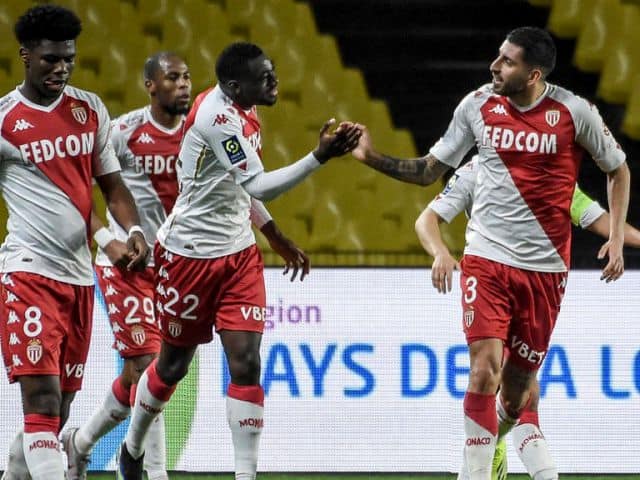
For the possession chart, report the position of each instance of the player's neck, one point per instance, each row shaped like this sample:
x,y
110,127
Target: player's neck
x,y
34,96
530,96
164,118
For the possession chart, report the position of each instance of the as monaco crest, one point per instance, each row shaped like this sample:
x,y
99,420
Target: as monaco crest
x,y
468,317
137,334
175,329
552,117
80,114
34,351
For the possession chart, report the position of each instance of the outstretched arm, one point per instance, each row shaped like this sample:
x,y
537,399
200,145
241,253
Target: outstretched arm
x,y
422,171
268,185
428,229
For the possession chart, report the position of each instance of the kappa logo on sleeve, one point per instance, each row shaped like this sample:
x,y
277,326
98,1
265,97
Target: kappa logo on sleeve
x,y
233,149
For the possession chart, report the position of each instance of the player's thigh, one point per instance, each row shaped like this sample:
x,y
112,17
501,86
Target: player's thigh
x,y
185,297
41,394
129,301
75,353
537,299
36,322
241,302
486,299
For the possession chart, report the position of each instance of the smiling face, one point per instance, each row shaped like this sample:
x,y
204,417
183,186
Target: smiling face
x,y
170,86
260,85
511,75
48,66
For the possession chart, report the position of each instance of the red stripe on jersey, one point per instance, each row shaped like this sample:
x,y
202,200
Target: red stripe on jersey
x,y
251,128
61,143
538,148
191,117
155,153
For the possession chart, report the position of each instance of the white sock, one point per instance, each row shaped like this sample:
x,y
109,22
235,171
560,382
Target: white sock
x,y
105,418
533,451
156,451
481,429
463,474
246,420
505,422
42,454
480,446
147,408
16,465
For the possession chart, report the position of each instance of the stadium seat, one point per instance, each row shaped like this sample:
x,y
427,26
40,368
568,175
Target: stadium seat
x,y
567,17
631,121
597,35
622,61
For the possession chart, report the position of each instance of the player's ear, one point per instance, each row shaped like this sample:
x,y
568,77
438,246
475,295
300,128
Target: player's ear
x,y
535,74
150,86
25,56
234,86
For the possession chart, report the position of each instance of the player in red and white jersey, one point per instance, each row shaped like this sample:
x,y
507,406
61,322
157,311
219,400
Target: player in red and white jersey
x,y
147,142
457,197
531,137
209,269
54,139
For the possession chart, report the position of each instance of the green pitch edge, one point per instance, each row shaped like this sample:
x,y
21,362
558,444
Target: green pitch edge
x,y
179,414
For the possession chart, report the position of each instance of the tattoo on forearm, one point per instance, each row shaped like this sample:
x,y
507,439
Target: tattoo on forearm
x,y
422,171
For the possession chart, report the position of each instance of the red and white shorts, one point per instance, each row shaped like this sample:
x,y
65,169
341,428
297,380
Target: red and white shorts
x,y
517,306
195,295
128,298
45,327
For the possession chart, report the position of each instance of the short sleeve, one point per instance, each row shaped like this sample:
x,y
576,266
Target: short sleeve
x,y
458,138
104,157
457,195
594,136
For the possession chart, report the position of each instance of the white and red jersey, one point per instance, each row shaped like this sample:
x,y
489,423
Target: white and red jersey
x,y
48,156
527,171
148,153
457,197
221,149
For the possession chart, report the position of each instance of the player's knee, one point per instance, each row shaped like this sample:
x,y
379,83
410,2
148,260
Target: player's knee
x,y
245,368
43,402
172,373
484,377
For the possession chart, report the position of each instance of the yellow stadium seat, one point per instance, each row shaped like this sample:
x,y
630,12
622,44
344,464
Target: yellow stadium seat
x,y
631,121
622,61
242,14
567,16
597,34
86,79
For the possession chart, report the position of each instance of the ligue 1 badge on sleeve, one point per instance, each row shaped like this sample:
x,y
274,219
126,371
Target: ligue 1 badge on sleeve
x,y
80,114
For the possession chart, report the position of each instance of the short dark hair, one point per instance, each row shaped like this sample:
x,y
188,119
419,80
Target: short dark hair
x,y
232,63
152,64
539,49
50,22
